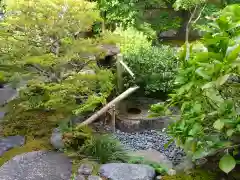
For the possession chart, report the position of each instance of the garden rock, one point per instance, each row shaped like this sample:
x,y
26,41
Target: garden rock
x,y
6,95
85,169
38,165
56,139
154,156
2,114
10,142
80,177
94,178
122,171
171,172
168,34
158,177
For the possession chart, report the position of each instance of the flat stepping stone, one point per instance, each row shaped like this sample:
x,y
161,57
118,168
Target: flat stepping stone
x,y
37,165
10,142
2,114
6,95
123,171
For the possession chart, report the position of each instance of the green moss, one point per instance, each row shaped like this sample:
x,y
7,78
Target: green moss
x,y
35,124
195,175
31,145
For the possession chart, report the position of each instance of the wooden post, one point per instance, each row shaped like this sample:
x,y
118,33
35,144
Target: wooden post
x,y
119,74
113,118
108,106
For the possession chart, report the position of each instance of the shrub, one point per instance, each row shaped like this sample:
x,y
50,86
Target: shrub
x,y
194,175
85,142
154,67
104,148
208,93
158,167
42,40
29,123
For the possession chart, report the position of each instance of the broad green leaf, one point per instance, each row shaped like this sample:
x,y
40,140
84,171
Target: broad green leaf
x,y
222,80
200,71
195,129
232,56
200,153
214,95
238,127
188,144
227,163
218,124
230,132
168,143
208,85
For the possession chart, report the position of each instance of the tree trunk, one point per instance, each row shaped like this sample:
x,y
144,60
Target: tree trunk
x,y
185,15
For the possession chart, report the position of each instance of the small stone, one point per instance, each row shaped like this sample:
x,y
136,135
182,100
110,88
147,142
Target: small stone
x,y
56,139
2,114
158,177
171,172
94,178
85,169
80,177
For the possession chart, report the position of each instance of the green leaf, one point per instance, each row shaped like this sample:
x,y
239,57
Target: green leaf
x,y
195,129
200,153
218,124
222,80
200,71
230,132
227,163
214,95
208,85
168,143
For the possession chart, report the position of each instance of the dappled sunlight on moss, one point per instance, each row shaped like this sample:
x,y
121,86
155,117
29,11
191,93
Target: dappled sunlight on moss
x,y
31,145
194,175
29,123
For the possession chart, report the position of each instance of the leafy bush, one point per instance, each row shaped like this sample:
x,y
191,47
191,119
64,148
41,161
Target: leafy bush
x,y
104,148
154,67
42,40
29,123
159,168
208,93
164,21
75,138
195,175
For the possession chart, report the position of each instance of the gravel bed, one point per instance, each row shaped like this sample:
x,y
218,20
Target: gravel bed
x,y
151,140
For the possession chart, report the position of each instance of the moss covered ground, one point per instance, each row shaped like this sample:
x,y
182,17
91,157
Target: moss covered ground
x,y
31,145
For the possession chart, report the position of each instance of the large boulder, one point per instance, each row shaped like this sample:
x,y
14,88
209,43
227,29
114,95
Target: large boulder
x,y
122,171
10,142
38,165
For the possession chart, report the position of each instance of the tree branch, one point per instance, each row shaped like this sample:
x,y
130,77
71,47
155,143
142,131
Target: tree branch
x,y
187,34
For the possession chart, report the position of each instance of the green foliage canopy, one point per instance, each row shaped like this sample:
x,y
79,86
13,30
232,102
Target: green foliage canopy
x,y
154,67
208,92
42,40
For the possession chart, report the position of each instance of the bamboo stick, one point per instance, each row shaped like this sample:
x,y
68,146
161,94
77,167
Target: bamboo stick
x,y
109,105
114,118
